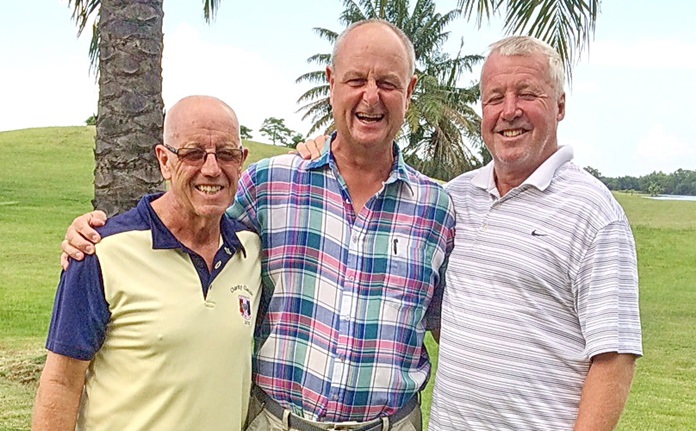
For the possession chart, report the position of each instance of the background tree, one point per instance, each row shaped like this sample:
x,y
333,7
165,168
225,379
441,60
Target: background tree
x,y
296,140
245,132
276,130
654,189
126,52
594,172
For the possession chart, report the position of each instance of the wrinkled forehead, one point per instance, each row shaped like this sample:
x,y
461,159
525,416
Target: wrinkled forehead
x,y
515,70
371,43
203,125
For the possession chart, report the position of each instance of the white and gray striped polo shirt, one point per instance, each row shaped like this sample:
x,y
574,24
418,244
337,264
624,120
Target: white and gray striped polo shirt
x,y
539,281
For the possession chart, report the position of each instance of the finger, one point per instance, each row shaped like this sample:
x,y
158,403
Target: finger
x,y
97,218
75,242
69,252
82,227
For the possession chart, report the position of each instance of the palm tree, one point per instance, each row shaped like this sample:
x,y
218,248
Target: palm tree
x,y
126,52
441,128
440,116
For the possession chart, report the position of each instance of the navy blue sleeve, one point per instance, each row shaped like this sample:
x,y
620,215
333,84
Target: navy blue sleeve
x,y
80,311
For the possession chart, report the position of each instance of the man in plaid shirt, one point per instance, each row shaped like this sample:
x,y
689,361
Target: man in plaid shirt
x,y
355,246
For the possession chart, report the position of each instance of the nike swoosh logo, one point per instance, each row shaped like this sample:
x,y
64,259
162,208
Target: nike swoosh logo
x,y
535,233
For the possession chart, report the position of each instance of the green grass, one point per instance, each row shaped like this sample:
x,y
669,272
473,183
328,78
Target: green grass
x,y
46,180
664,390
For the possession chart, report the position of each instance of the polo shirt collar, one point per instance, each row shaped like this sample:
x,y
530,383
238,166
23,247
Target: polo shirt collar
x,y
162,238
540,178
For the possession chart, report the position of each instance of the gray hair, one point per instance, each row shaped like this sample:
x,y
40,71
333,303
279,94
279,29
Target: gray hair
x,y
525,46
408,45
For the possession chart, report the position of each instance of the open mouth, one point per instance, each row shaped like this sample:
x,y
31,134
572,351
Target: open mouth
x,y
209,190
512,133
370,118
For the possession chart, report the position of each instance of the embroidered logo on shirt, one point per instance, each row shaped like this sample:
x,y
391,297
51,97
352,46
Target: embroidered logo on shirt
x,y
535,233
245,308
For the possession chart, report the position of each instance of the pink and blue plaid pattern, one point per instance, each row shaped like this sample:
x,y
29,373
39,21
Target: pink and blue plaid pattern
x,y
353,294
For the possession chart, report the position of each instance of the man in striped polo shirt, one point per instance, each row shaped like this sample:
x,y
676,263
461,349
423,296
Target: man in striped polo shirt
x,y
540,322
355,246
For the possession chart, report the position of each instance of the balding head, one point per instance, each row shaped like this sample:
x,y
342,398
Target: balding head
x,y
195,112
409,51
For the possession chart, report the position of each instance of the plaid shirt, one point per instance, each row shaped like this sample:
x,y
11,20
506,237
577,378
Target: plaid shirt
x,y
353,294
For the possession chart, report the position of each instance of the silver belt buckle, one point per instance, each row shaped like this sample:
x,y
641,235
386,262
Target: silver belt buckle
x,y
342,426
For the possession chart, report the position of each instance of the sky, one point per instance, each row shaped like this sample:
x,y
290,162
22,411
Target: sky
x,y
628,110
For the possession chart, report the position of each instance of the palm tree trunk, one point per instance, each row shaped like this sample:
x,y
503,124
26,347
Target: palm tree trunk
x,y
130,111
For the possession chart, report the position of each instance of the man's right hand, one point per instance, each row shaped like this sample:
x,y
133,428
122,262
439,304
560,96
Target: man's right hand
x,y
311,149
81,237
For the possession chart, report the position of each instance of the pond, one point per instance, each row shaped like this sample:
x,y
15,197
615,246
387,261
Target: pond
x,y
673,198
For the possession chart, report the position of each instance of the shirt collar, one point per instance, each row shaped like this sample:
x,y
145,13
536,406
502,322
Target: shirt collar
x,y
540,178
162,238
399,171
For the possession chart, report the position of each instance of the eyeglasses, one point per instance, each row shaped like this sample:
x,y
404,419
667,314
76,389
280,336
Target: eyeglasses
x,y
198,156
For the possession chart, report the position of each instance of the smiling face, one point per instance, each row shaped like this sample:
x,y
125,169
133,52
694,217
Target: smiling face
x,y
521,111
371,85
201,189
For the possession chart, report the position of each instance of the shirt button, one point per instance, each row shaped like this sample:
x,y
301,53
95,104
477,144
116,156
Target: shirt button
x,y
227,250
335,398
217,264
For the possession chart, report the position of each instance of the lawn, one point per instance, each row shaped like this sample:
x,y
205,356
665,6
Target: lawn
x,y
46,180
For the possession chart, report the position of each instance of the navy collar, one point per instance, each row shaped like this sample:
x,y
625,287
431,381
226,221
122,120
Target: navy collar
x,y
162,237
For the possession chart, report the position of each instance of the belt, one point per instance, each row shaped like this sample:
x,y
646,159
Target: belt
x,y
301,424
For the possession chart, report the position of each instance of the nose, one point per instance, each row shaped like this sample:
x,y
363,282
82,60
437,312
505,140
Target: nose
x,y
511,109
371,93
210,166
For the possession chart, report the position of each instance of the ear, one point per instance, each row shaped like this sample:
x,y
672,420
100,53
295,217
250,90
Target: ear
x,y
163,158
410,89
330,76
561,107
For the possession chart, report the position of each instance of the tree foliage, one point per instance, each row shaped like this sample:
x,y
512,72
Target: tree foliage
x,y
567,25
276,130
680,182
245,132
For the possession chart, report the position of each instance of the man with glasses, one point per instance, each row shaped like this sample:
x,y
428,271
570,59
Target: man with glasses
x,y
154,331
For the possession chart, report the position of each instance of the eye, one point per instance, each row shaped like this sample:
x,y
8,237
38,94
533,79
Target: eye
x,y
387,85
191,154
229,155
494,99
528,96
356,82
